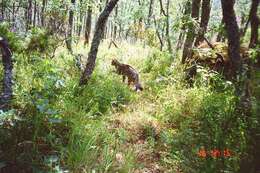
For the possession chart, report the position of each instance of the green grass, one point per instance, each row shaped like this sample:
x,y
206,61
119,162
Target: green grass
x,y
107,127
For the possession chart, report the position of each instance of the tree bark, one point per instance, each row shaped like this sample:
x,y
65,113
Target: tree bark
x,y
2,11
114,36
34,13
6,96
88,25
14,16
105,29
43,13
232,29
205,15
248,163
80,19
150,13
99,29
187,50
169,44
158,34
70,28
254,19
29,15
162,9
187,11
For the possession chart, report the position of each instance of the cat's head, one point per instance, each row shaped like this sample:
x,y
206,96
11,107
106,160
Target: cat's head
x,y
114,62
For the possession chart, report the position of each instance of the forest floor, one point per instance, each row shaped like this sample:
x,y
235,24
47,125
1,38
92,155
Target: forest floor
x,y
134,120
138,120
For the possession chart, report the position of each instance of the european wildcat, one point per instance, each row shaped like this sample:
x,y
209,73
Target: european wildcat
x,y
129,72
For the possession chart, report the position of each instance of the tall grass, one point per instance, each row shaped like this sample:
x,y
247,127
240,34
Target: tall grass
x,y
53,115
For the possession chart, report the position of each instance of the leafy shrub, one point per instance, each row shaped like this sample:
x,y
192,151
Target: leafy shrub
x,y
101,94
51,110
205,119
40,79
158,63
254,54
13,39
42,41
151,38
38,127
210,78
91,146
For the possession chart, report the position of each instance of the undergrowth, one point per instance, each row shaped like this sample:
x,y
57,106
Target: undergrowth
x,y
57,124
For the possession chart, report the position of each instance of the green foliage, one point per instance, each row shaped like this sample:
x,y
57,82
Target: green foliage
x,y
212,79
54,122
199,118
59,113
41,41
103,93
157,64
104,126
205,119
151,38
214,126
36,125
13,39
254,54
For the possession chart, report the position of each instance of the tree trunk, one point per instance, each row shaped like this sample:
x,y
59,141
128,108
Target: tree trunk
x,y
169,44
254,19
8,76
43,13
120,31
99,29
248,163
34,13
115,27
80,19
70,28
14,16
231,26
162,9
105,29
88,25
158,34
38,16
187,10
2,11
29,15
205,15
187,50
150,13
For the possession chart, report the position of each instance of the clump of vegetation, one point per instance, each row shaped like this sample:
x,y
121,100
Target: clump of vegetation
x,y
209,125
68,109
42,41
56,112
158,63
14,40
